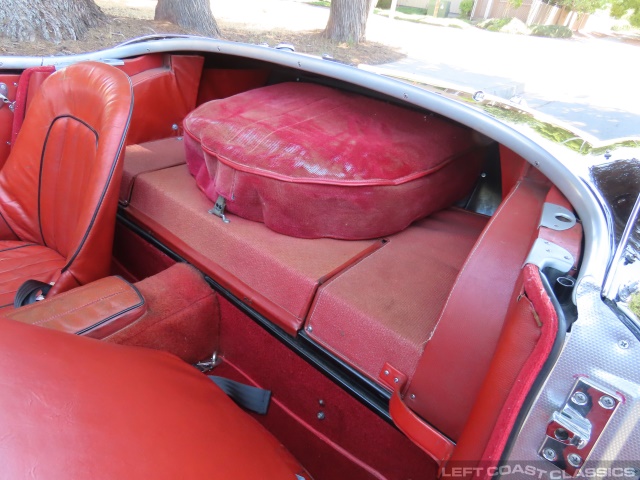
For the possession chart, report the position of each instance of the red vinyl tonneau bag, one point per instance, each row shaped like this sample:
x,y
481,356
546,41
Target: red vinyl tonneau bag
x,y
312,161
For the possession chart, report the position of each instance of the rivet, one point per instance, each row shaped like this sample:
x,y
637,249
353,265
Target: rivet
x,y
15,84
386,372
623,344
299,64
396,380
579,398
174,126
607,402
321,402
567,257
320,415
405,95
574,459
309,328
549,454
8,143
413,396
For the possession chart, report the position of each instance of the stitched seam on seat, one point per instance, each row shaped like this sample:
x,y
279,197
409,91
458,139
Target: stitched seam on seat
x,y
44,149
80,307
18,278
20,246
131,325
9,226
108,182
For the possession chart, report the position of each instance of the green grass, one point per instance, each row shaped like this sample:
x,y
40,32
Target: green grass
x,y
320,3
551,31
634,304
494,24
412,10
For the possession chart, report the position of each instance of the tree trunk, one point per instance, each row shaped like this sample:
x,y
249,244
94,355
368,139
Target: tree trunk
x,y
193,15
55,21
348,20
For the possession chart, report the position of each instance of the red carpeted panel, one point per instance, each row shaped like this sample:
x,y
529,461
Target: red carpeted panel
x,y
134,258
147,157
182,315
312,161
384,308
349,442
267,268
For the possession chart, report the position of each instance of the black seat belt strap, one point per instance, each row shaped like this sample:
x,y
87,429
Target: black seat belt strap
x,y
30,292
252,398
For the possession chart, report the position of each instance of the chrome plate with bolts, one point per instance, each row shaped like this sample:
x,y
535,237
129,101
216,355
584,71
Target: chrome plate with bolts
x,y
573,431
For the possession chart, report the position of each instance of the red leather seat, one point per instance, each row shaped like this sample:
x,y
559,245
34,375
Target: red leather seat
x,y
74,407
59,186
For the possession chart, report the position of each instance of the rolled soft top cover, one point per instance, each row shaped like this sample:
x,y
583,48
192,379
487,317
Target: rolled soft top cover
x,y
311,161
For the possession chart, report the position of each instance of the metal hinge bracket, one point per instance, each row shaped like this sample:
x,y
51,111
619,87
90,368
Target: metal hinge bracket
x,y
547,254
573,431
556,217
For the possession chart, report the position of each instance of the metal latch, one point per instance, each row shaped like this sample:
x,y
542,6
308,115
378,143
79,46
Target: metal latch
x,y
4,91
573,431
218,209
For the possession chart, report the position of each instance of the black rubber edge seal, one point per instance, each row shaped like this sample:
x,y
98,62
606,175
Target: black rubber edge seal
x,y
369,393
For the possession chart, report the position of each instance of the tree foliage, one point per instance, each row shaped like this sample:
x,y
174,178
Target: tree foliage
x,y
193,15
619,9
348,20
466,6
55,21
580,6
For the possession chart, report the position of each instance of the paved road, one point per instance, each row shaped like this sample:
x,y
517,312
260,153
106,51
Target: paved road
x,y
588,82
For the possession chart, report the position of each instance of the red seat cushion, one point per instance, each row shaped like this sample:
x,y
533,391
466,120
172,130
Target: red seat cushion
x,y
22,261
311,161
74,407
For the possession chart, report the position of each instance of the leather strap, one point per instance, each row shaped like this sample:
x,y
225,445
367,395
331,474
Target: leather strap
x,y
29,292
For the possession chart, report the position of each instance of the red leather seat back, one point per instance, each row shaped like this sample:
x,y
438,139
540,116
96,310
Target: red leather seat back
x,y
59,186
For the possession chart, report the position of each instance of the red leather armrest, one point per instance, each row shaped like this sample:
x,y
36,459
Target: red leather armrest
x,y
96,310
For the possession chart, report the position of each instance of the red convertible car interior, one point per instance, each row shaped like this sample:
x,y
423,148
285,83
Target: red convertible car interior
x,y
367,262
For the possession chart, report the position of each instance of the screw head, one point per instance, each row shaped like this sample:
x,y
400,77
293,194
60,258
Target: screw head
x,y
579,398
549,454
320,415
607,402
574,459
624,344
396,380
386,372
